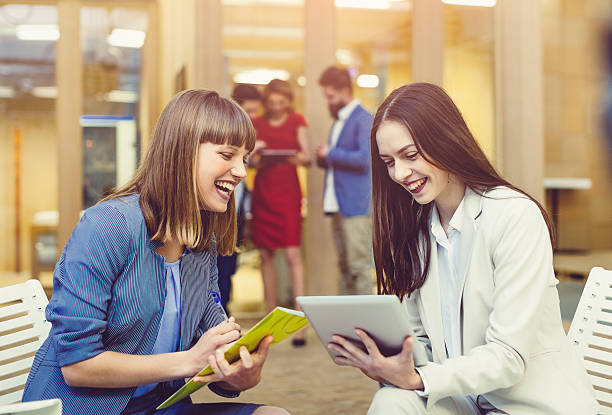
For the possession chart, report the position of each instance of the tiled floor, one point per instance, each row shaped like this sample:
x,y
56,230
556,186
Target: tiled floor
x,y
306,381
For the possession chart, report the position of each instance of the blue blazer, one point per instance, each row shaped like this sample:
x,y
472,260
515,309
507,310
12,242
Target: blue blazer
x,y
109,289
351,161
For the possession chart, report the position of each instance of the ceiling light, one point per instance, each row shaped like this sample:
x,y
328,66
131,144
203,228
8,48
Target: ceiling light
x,y
7,92
364,4
260,76
367,81
46,32
126,38
127,97
301,80
480,3
45,91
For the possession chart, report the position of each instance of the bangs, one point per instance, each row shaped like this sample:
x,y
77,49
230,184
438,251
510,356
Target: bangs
x,y
227,124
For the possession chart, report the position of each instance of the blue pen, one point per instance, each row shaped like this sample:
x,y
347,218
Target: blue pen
x,y
217,298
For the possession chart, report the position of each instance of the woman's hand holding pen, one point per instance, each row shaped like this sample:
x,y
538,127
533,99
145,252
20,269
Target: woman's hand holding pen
x,y
241,375
397,370
210,342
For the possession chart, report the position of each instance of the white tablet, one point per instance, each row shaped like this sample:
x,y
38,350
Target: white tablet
x,y
381,316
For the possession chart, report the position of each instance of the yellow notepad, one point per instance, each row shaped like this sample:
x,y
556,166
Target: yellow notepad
x,y
280,324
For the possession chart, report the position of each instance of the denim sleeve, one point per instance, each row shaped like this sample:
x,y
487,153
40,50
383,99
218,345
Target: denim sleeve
x,y
212,313
93,258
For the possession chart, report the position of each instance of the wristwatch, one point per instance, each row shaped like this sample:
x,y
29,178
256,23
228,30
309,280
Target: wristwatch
x,y
223,392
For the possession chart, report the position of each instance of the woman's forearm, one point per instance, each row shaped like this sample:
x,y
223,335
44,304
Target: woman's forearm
x,y
118,370
304,159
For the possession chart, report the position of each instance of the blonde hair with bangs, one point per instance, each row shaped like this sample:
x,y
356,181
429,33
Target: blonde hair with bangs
x,y
166,178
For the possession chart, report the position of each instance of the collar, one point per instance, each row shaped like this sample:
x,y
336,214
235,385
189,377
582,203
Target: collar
x,y
345,111
469,209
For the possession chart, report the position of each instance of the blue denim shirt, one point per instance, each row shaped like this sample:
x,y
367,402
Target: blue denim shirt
x,y
109,288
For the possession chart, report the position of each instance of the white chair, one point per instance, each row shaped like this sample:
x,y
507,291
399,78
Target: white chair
x,y
591,333
23,329
46,407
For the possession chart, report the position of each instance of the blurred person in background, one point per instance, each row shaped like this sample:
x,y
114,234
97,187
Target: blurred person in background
x,y
347,197
249,98
277,197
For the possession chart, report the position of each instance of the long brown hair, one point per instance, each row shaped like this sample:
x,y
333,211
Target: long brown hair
x,y
400,225
166,178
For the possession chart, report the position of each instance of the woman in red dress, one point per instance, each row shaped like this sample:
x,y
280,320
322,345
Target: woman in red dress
x,y
277,197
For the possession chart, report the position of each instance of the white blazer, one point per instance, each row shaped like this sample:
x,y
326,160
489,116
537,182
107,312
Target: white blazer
x,y
514,349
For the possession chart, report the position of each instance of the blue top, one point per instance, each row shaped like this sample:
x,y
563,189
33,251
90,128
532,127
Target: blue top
x,y
170,325
109,290
350,159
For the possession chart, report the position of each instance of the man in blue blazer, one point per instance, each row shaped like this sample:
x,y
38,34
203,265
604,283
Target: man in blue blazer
x,y
348,185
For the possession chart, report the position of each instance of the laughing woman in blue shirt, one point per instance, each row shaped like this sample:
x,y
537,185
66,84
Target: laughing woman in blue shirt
x,y
131,312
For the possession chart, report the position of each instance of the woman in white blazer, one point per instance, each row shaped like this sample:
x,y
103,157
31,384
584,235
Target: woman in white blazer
x,y
471,256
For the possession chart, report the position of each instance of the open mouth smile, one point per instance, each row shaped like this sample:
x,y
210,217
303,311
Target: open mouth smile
x,y
225,188
417,185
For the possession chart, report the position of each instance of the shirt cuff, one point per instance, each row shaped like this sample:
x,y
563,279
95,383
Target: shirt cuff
x,y
425,392
223,392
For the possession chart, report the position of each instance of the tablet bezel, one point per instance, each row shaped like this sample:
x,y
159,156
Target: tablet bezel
x,y
330,315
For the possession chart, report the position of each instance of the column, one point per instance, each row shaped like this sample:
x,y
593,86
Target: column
x,y
320,46
149,107
427,41
208,56
518,73
68,75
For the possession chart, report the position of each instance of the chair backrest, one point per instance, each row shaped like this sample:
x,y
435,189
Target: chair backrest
x,y
591,333
46,407
23,329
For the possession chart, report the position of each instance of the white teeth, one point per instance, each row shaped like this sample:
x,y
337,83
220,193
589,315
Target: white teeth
x,y
415,185
225,186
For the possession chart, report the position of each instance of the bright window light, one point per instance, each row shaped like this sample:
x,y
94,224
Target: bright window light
x,y
126,38
344,57
480,3
45,91
7,92
263,31
260,76
364,4
259,54
48,32
128,97
367,81
290,3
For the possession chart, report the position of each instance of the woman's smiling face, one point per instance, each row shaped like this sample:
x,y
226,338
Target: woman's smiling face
x,y
407,167
220,168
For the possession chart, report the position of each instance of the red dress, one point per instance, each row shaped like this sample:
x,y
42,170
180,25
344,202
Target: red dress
x,y
277,198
